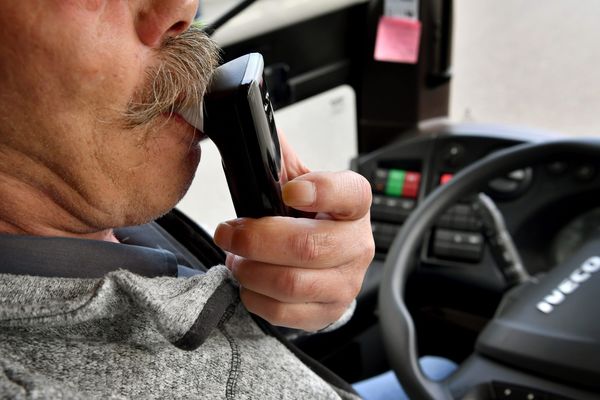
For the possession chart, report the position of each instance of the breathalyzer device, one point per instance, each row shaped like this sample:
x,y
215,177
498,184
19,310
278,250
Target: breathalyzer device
x,y
238,117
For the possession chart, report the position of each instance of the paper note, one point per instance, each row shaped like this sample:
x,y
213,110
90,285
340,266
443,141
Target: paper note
x,y
398,40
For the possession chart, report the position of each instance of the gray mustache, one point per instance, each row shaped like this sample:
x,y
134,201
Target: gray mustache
x,y
179,81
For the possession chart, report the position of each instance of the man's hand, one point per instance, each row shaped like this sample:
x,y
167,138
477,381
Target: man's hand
x,y
298,272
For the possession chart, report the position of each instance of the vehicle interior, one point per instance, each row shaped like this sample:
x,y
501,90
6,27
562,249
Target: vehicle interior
x,y
486,234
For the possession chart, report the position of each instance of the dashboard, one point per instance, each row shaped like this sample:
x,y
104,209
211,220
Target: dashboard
x,y
548,209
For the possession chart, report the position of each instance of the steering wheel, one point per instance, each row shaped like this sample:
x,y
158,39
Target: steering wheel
x,y
532,332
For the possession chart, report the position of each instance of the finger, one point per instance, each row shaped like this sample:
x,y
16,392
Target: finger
x,y
297,242
292,165
229,259
306,316
299,285
344,195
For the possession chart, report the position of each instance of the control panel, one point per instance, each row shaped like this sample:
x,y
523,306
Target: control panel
x,y
395,194
397,182
402,175
457,235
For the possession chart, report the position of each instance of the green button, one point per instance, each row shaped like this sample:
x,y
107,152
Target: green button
x,y
395,183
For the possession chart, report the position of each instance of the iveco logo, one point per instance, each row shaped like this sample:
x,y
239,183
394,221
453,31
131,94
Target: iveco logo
x,y
569,285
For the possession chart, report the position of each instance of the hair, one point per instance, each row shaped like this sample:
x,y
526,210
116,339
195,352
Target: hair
x,y
180,80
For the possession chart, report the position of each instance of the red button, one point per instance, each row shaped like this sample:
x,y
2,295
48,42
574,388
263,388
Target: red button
x,y
412,182
446,178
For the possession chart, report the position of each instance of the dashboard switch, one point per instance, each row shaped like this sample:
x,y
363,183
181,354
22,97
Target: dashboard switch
x,y
458,245
391,202
395,182
460,217
392,209
407,205
380,180
557,167
412,183
586,172
503,185
445,178
513,184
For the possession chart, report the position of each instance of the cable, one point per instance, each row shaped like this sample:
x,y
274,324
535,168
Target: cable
x,y
212,28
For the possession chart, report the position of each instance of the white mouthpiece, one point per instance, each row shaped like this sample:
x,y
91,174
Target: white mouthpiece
x,y
194,116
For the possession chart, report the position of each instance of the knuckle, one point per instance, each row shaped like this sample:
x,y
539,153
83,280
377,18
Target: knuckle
x,y
296,286
368,252
363,251
344,287
350,292
365,247
311,246
243,240
315,290
288,283
353,279
277,314
271,310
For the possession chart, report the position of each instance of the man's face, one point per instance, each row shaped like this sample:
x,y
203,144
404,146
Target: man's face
x,y
76,123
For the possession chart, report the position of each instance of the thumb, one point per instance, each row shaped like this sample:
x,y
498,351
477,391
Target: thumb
x,y
344,195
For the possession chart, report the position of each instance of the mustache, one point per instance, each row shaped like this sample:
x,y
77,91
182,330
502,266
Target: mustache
x,y
180,80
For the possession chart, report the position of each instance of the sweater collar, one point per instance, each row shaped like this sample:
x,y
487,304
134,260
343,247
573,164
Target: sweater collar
x,y
182,311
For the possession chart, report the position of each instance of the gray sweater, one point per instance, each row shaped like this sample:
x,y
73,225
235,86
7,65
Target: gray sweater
x,y
125,336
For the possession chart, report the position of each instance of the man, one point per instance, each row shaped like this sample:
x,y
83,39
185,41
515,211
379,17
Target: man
x,y
93,300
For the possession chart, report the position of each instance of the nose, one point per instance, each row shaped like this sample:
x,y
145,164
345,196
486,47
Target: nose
x,y
160,19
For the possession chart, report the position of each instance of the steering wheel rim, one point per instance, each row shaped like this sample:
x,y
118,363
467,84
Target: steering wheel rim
x,y
399,335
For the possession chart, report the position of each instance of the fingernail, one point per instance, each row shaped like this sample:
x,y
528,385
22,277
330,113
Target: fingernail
x,y
223,236
299,193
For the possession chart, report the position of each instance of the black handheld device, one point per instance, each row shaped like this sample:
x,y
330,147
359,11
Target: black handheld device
x,y
238,118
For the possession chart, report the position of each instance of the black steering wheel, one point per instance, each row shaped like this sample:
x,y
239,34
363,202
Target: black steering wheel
x,y
554,339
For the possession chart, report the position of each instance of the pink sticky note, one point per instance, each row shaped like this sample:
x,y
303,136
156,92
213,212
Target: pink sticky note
x,y
398,40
